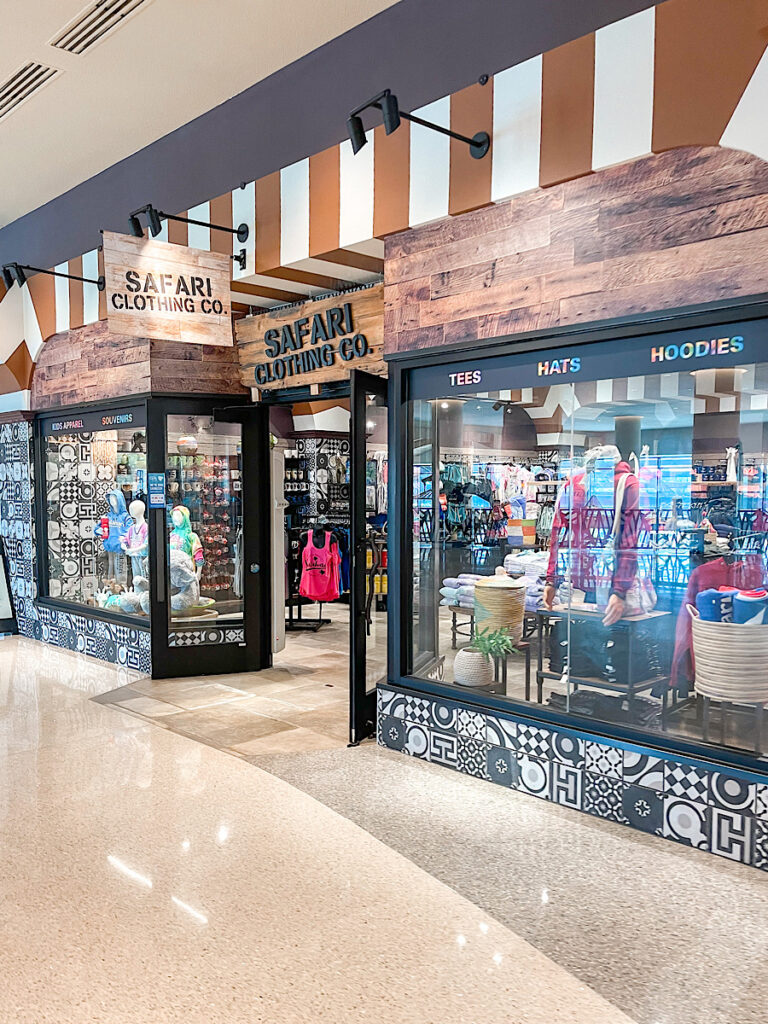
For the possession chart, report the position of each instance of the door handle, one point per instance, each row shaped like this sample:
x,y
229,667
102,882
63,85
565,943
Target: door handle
x,y
254,568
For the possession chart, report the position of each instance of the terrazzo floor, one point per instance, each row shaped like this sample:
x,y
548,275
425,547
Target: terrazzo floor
x,y
165,881
149,879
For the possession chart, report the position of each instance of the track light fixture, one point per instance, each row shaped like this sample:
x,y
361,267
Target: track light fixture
x,y
156,217
384,101
16,272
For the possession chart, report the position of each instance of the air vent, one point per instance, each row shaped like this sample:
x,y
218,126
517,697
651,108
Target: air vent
x,y
96,22
19,87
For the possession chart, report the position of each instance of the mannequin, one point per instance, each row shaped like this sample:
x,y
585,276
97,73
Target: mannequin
x,y
134,543
111,529
572,515
184,539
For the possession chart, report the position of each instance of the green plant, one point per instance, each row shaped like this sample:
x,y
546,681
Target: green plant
x,y
495,643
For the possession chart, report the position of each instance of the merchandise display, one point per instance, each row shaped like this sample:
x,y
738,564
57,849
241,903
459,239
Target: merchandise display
x,y
94,482
633,513
204,501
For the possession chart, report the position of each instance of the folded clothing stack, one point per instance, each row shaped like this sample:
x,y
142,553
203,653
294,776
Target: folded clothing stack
x,y
459,590
729,604
533,566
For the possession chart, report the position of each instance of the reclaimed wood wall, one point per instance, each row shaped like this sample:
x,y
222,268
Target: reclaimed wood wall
x,y
90,364
685,227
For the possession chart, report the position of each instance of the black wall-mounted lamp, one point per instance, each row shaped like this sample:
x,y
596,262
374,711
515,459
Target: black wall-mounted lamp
x,y
16,272
479,144
156,217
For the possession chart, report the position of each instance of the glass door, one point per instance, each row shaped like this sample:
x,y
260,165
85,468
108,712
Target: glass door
x,y
369,473
209,539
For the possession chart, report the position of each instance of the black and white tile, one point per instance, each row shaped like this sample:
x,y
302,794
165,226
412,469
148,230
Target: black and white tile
x,y
686,781
501,732
567,785
501,765
761,801
687,803
533,776
643,808
732,793
417,710
534,741
391,703
686,822
392,732
643,770
472,757
602,796
568,749
471,724
602,759
760,845
731,835
416,740
444,748
443,715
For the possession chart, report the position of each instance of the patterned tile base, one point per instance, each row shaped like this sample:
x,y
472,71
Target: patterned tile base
x,y
719,811
122,645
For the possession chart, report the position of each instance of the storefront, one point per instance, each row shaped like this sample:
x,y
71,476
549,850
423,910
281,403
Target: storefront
x,y
595,493
171,530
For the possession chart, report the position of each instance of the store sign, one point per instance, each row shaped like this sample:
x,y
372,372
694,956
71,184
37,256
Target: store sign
x,y
314,342
726,345
167,292
92,422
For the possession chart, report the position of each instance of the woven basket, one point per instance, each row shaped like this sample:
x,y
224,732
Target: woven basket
x,y
730,660
500,604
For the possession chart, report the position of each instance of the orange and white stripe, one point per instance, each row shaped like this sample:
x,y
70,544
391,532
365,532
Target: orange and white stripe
x,y
641,85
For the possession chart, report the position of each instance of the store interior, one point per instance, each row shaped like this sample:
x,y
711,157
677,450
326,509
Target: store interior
x,y
516,532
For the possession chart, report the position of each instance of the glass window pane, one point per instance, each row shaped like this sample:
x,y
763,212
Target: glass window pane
x,y
614,531
96,530
205,550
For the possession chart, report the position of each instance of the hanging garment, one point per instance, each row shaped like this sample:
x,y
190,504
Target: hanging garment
x,y
320,569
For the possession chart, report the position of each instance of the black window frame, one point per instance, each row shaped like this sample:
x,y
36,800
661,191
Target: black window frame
x,y
40,518
475,351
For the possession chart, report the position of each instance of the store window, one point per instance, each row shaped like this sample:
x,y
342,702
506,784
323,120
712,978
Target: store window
x,y
95,510
596,545
204,525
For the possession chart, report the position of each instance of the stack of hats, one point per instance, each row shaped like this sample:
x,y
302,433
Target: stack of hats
x,y
729,604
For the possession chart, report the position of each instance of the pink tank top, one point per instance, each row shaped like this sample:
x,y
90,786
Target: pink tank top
x,y
320,570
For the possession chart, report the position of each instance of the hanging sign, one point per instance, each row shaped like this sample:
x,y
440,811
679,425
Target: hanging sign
x,y
313,342
168,292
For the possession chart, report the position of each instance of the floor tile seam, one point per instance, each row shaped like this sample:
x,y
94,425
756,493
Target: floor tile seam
x,y
489,917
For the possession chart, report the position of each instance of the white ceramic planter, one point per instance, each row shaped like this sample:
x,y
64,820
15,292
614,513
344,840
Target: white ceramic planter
x,y
471,668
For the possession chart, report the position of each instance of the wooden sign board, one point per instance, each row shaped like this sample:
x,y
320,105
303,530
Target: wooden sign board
x,y
314,342
169,292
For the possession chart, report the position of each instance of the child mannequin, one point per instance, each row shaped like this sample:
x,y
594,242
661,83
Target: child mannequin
x,y
134,542
110,530
184,539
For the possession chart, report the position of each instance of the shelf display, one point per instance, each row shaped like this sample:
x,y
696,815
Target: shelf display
x,y
92,477
204,497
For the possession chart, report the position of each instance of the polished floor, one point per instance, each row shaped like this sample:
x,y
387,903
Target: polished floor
x,y
301,704
146,878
